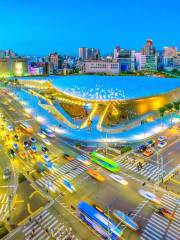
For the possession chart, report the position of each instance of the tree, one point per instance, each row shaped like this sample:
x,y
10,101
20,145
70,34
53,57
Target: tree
x,y
176,105
162,111
169,106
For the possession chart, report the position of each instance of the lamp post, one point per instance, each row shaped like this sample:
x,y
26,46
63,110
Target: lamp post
x,y
159,161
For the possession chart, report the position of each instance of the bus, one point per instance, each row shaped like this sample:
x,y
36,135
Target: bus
x,y
105,162
99,222
26,127
47,132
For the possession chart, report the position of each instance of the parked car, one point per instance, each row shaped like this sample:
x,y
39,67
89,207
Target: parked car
x,y
162,138
162,144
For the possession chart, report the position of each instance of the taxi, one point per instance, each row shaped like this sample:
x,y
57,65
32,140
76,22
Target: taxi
x,y
93,173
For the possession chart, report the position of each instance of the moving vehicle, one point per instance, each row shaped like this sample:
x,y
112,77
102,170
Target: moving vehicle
x,y
119,179
9,128
33,140
17,129
26,127
84,159
93,173
99,222
50,186
162,144
25,144
47,132
7,137
162,138
68,185
148,152
151,143
33,148
44,149
150,196
142,148
40,167
166,213
23,155
68,157
6,174
41,135
16,138
105,162
45,157
49,165
126,220
12,153
46,141
31,154
16,147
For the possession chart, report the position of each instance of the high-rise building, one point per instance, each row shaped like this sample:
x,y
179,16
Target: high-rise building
x,y
88,54
117,52
169,53
148,49
146,62
19,66
54,62
4,67
125,58
100,66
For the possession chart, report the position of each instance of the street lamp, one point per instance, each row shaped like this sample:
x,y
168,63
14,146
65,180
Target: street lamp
x,y
159,161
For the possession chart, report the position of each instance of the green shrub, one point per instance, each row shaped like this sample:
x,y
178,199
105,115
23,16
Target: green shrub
x,y
21,178
3,230
125,149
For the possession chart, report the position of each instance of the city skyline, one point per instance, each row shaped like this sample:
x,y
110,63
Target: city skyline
x,y
64,27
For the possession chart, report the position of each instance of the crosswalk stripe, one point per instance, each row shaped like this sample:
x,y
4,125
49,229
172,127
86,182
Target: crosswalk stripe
x,y
154,232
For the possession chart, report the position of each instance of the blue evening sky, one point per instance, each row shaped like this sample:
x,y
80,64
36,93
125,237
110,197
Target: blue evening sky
x,y
42,26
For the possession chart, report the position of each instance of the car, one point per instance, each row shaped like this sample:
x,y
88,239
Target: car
x,y
151,143
6,174
46,141
166,213
15,146
45,157
50,186
125,219
31,154
162,144
49,165
17,129
84,159
7,137
44,149
162,138
33,148
150,196
16,137
9,128
26,144
23,155
33,140
142,148
118,179
41,135
148,152
68,185
68,157
93,173
47,131
1,126
12,153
